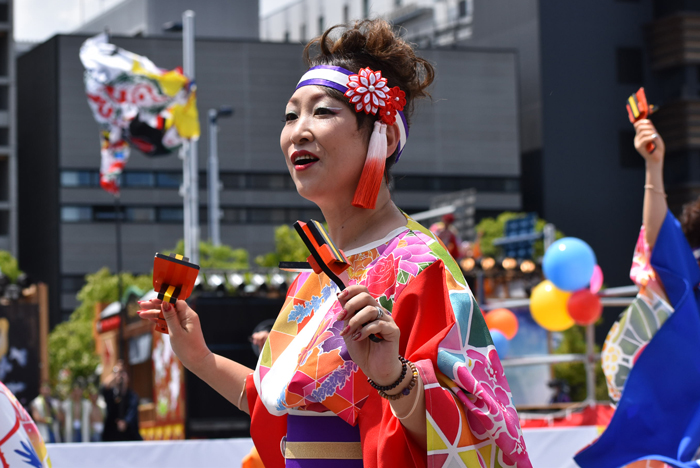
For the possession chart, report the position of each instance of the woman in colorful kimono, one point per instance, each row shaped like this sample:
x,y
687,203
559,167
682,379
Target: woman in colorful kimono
x,y
431,391
651,357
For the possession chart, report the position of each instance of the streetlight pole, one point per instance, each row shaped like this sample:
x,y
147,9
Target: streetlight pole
x,y
190,166
213,184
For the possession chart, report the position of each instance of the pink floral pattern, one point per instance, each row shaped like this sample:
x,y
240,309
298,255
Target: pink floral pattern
x,y
468,385
490,409
642,272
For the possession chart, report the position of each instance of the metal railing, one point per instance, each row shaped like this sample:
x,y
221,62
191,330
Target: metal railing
x,y
611,297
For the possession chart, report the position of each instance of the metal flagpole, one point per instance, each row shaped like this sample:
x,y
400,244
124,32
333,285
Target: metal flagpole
x,y
190,166
122,310
213,182
590,365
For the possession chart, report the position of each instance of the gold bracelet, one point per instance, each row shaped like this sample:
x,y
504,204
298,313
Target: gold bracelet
x,y
654,189
413,408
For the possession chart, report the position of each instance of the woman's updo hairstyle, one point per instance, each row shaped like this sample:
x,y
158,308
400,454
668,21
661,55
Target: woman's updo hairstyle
x,y
373,44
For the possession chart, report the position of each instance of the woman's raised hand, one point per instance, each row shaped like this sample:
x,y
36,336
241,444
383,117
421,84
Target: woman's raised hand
x,y
646,134
378,360
183,327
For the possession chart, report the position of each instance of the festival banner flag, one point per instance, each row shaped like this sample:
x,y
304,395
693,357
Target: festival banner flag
x,y
136,105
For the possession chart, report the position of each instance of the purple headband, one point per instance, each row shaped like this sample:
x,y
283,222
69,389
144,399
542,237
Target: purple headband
x,y
337,78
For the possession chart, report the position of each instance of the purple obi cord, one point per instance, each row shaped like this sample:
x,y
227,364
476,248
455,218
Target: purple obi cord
x,y
322,441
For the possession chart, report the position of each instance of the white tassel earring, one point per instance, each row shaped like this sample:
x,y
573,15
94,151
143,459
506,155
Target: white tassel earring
x,y
373,171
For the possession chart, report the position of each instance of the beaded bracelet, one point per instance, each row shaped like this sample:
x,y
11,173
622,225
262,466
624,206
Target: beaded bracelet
x,y
384,388
406,391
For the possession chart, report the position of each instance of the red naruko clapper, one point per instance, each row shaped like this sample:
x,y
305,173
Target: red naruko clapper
x,y
325,256
173,278
638,108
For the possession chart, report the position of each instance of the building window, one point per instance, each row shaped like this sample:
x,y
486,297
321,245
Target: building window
x,y
138,179
80,179
105,213
268,182
232,181
321,25
170,215
630,65
140,214
346,14
266,216
233,216
302,33
465,8
4,97
76,214
168,179
454,183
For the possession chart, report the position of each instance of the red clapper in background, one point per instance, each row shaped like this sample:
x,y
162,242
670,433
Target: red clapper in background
x,y
638,108
173,278
325,256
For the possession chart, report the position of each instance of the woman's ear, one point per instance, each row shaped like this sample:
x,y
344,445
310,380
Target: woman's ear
x,y
393,138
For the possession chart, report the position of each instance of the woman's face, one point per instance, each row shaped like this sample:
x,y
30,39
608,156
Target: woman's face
x,y
323,148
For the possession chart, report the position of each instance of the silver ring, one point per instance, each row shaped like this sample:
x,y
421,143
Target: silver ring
x,y
654,136
380,313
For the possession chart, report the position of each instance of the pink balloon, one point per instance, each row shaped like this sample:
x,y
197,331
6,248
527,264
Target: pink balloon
x,y
596,280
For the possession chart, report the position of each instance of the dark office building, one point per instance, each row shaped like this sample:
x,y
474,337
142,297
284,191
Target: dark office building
x,y
577,64
594,55
466,137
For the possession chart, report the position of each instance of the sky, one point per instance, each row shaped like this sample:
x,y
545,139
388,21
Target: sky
x,y
38,20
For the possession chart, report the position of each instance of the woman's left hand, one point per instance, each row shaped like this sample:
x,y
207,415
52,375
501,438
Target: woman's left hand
x,y
378,360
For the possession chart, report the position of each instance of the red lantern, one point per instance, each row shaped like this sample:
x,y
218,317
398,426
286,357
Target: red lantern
x,y
504,321
584,307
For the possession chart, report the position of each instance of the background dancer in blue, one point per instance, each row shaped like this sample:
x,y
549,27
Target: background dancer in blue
x,y
658,415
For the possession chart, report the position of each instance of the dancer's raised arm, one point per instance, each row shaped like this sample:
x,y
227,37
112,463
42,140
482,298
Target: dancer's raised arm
x,y
655,206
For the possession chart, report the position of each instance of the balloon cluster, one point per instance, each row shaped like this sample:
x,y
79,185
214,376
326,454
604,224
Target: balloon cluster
x,y
503,325
569,294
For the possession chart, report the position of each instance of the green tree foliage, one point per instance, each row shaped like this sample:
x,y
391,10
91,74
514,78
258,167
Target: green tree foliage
x,y
574,373
219,257
288,248
8,265
492,228
71,343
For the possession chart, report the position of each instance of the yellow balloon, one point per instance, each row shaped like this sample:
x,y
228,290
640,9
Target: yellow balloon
x,y
548,307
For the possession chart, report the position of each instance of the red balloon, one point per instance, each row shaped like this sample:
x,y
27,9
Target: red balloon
x,y
584,307
502,320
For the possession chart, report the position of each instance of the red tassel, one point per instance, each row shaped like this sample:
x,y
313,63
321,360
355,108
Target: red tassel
x,y
373,171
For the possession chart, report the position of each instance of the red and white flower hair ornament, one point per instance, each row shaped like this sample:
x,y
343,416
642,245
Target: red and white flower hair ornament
x,y
367,92
396,101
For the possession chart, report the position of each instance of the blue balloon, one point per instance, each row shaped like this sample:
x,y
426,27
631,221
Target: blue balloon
x,y
500,342
569,264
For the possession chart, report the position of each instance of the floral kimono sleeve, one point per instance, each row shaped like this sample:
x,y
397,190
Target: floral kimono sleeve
x,y
639,322
470,417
